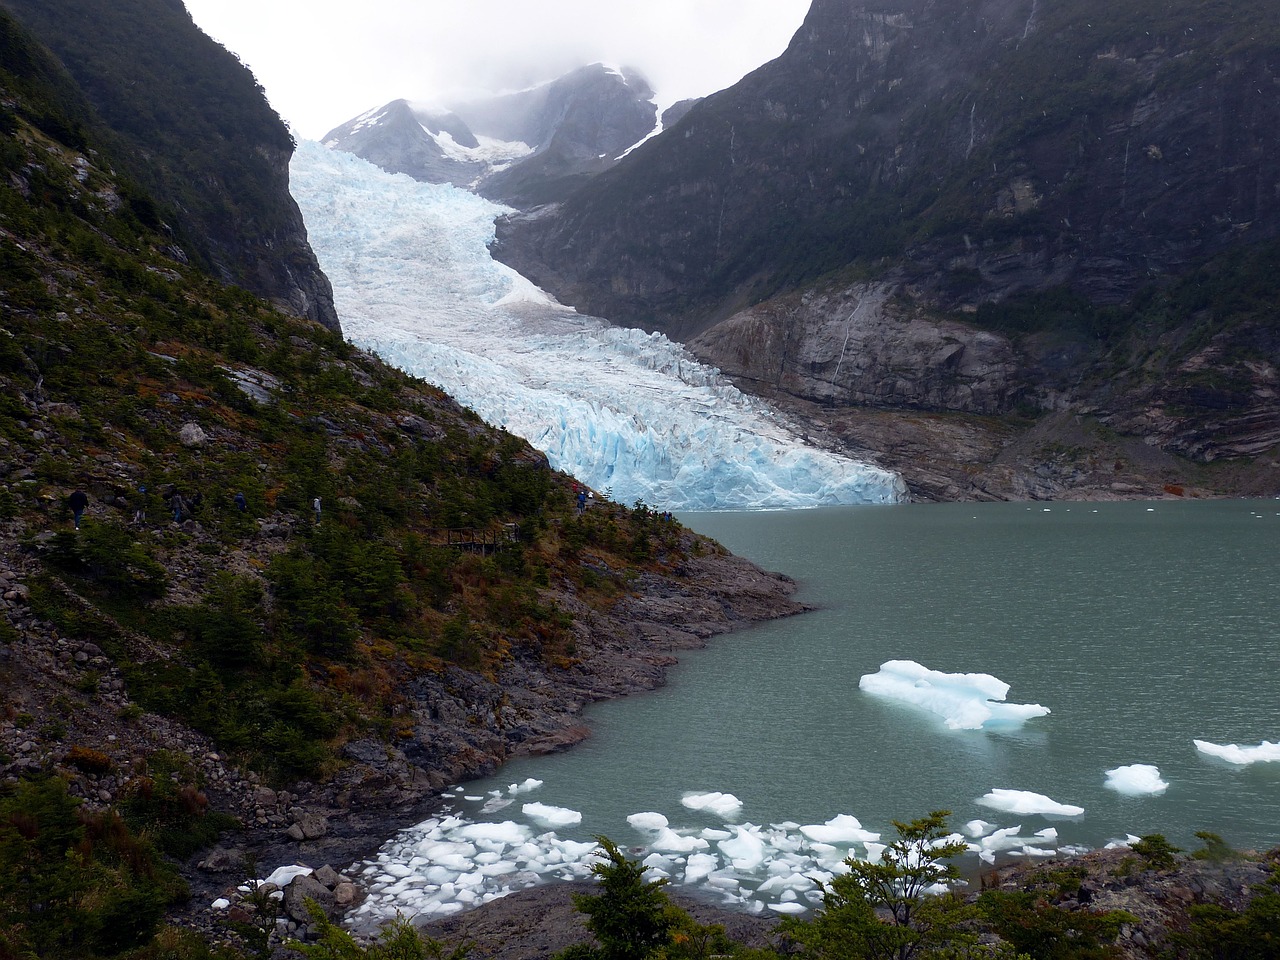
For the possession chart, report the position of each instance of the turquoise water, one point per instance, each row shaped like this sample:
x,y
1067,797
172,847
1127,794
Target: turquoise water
x,y
1141,626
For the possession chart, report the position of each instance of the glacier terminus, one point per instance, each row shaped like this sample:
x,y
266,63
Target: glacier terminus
x,y
626,412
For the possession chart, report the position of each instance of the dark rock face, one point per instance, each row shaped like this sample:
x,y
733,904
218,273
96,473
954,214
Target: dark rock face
x,y
991,146
190,123
550,139
858,346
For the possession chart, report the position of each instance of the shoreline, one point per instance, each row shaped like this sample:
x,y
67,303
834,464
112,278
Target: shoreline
x,y
346,820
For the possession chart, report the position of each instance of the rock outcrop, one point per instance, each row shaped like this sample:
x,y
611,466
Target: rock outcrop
x,y
190,123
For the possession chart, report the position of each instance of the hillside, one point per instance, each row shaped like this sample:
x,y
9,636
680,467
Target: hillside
x,y
185,666
187,121
924,216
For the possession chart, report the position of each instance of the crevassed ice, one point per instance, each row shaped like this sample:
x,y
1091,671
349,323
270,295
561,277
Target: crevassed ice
x,y
965,701
626,412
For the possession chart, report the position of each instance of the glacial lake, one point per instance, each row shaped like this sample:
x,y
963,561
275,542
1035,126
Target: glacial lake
x,y
1142,627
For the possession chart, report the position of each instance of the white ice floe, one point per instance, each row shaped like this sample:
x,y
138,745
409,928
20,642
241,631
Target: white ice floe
x,y
451,863
1265,752
551,816
841,829
619,408
648,821
1025,803
724,805
965,701
1136,780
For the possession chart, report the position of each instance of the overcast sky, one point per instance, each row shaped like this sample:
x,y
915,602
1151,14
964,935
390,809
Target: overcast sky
x,y
324,61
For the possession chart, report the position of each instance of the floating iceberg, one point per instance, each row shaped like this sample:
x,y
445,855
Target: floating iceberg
x,y
1025,803
966,701
721,804
551,816
1136,780
648,821
1265,752
622,410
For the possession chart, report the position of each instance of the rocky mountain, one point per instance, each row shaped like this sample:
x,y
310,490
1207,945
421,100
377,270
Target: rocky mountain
x,y
969,209
187,121
306,590
525,148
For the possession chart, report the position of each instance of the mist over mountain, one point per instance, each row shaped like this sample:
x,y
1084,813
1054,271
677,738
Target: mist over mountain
x,y
526,148
1067,207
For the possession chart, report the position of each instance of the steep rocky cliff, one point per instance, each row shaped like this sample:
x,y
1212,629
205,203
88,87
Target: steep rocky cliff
x,y
989,146
188,121
991,208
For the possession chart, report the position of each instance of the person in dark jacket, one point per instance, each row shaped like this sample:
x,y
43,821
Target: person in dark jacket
x,y
78,501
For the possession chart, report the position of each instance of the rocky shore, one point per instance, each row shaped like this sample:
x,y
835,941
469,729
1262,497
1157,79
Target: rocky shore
x,y
63,694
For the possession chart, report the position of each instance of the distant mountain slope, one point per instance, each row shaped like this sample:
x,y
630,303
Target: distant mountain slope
x,y
534,146
986,146
1011,249
193,126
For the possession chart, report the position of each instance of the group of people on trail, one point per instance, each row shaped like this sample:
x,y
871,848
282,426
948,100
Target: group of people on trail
x,y
183,506
582,498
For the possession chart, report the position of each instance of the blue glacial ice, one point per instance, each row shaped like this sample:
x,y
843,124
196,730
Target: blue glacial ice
x,y
628,413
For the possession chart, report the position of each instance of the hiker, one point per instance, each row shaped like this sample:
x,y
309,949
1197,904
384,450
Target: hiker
x,y
582,500
140,511
315,505
241,503
77,502
180,508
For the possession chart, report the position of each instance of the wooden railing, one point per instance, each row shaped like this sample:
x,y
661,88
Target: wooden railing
x,y
483,540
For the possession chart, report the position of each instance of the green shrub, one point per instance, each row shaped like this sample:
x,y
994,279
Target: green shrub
x,y
75,884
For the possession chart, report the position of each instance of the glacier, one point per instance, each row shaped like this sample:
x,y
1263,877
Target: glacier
x,y
628,413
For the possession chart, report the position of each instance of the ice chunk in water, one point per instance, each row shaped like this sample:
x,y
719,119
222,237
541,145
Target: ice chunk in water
x,y
721,804
840,829
648,821
965,701
1136,780
552,816
1265,752
1023,802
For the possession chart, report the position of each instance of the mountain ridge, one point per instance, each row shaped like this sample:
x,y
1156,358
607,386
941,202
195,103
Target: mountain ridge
x,y
544,141
160,85
1059,178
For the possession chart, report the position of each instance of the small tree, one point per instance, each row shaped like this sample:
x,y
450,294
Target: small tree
x,y
630,919
884,911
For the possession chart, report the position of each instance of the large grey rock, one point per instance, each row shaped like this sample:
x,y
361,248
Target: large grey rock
x,y
301,889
